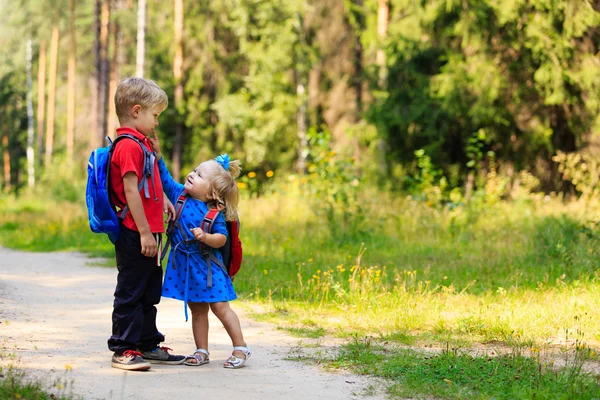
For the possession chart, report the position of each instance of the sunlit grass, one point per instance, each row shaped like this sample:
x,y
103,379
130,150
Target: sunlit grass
x,y
508,275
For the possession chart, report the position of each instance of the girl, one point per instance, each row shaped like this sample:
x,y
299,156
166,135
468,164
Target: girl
x,y
211,184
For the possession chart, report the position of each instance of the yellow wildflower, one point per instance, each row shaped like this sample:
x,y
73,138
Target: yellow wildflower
x,y
269,174
241,185
251,175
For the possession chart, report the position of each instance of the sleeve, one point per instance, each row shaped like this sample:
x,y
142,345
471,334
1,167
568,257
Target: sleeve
x,y
129,156
220,226
171,188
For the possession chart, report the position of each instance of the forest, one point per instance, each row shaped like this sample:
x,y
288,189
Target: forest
x,y
459,88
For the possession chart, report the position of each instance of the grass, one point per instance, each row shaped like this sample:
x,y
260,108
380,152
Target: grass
x,y
15,384
470,277
453,374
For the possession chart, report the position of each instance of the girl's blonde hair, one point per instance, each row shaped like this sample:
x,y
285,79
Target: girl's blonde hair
x,y
224,186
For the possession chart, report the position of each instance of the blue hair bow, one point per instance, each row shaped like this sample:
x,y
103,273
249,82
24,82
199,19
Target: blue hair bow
x,y
223,159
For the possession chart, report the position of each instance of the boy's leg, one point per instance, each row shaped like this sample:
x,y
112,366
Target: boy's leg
x,y
135,271
151,337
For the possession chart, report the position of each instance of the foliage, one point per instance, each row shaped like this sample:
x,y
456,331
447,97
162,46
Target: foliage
x,y
465,78
583,170
333,185
516,79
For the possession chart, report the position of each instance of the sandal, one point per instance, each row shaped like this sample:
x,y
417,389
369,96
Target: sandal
x,y
236,362
200,357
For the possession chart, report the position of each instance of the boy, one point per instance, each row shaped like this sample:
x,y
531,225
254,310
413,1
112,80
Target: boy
x,y
135,337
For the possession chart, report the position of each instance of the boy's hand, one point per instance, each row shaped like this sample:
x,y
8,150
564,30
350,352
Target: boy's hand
x,y
199,234
169,210
149,246
156,145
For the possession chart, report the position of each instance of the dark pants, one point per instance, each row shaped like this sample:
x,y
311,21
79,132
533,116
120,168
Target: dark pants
x,y
139,286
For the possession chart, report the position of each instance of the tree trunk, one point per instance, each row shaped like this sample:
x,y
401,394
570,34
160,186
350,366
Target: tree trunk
x,y
383,15
178,99
115,71
30,155
71,85
301,98
358,57
93,132
301,121
102,26
51,96
141,38
41,106
7,185
210,79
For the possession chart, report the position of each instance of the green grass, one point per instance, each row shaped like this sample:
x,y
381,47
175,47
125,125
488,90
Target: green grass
x,y
15,384
519,275
452,374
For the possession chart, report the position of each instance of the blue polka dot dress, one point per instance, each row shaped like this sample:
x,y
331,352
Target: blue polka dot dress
x,y
186,273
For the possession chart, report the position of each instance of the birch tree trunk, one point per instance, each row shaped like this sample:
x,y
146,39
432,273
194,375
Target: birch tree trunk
x,y
115,71
141,39
178,99
7,185
102,21
383,15
71,85
41,100
301,115
30,138
51,96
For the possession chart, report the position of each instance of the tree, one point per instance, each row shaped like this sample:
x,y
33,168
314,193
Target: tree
x,y
141,38
41,99
178,79
52,72
102,15
71,84
383,14
30,135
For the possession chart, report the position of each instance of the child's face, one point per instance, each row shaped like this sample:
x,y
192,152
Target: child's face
x,y
146,119
197,182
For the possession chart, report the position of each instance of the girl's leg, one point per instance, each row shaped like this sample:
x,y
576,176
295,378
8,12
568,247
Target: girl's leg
x,y
231,322
200,324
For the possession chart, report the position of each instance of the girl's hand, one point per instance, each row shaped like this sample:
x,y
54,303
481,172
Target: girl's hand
x,y
199,234
156,145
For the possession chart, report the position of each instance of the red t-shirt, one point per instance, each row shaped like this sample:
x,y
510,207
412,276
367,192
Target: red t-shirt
x,y
128,156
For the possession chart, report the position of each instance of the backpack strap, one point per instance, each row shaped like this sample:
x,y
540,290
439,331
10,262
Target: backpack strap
x,y
206,225
174,223
147,171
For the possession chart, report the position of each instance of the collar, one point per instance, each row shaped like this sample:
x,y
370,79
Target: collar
x,y
127,130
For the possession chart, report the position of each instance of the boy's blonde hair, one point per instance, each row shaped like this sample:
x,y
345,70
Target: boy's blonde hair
x,y
224,186
133,91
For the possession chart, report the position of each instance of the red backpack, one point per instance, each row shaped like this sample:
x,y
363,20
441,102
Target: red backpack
x,y
231,251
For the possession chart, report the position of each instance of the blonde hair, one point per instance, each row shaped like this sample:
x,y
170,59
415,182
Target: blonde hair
x,y
134,91
224,186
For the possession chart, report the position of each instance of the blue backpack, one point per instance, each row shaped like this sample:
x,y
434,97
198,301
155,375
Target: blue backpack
x,y
102,214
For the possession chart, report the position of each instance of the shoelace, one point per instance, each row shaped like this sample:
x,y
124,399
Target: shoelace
x,y
165,349
131,353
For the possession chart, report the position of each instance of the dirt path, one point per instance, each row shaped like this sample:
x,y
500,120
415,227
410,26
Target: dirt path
x,y
55,317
